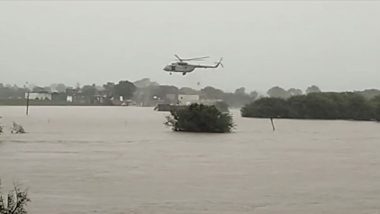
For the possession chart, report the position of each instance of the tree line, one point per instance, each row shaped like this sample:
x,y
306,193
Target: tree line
x,y
320,105
144,92
122,88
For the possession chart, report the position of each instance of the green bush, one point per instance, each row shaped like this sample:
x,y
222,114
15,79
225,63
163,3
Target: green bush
x,y
267,108
200,118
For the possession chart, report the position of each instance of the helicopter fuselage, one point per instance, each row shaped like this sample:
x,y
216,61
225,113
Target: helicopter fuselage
x,y
181,67
184,67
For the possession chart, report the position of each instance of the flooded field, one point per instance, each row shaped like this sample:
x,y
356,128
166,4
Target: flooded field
x,y
124,160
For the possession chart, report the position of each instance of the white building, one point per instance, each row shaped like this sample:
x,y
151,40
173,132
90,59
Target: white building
x,y
38,96
184,99
69,99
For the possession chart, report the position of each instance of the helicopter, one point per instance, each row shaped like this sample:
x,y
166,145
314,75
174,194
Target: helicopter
x,y
182,66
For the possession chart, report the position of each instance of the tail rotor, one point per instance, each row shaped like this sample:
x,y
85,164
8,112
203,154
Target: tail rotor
x,y
219,63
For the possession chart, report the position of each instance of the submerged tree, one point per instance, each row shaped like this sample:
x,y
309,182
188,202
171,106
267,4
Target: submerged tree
x,y
200,118
13,202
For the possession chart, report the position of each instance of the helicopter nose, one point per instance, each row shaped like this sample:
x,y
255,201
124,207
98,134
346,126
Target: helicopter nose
x,y
166,68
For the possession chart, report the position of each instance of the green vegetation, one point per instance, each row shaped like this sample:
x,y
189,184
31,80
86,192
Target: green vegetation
x,y
125,89
278,92
200,118
266,107
329,105
59,94
375,103
13,202
143,92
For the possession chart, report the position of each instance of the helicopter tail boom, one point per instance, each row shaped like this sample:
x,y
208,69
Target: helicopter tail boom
x,y
219,63
211,66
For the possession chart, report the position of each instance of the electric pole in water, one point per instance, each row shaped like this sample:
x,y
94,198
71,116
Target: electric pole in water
x,y
27,99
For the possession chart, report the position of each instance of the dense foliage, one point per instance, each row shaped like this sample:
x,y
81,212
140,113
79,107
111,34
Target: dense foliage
x,y
278,92
13,202
375,103
200,118
125,89
221,106
347,105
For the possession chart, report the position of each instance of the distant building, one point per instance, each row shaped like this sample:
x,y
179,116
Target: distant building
x,y
69,99
38,96
185,99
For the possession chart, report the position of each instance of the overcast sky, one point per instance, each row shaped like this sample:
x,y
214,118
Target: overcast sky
x,y
335,45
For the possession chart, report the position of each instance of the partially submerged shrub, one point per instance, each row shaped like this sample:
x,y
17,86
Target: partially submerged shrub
x,y
200,118
13,202
17,129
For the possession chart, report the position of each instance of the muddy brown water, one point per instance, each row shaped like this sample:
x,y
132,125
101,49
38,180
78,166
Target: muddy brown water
x,y
124,160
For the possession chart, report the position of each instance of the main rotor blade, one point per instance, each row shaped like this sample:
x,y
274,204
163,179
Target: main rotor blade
x,y
197,58
176,56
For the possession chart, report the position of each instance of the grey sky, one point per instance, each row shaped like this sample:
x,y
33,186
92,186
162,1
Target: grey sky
x,y
334,45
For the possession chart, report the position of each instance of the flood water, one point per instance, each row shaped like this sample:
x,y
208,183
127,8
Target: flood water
x,y
124,160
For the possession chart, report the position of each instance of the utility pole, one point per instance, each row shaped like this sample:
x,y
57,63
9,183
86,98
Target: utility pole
x,y
27,97
27,103
271,120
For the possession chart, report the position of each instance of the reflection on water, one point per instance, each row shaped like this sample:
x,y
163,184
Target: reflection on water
x,y
124,160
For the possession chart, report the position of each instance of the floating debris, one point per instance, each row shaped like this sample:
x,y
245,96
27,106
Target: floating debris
x,y
17,129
